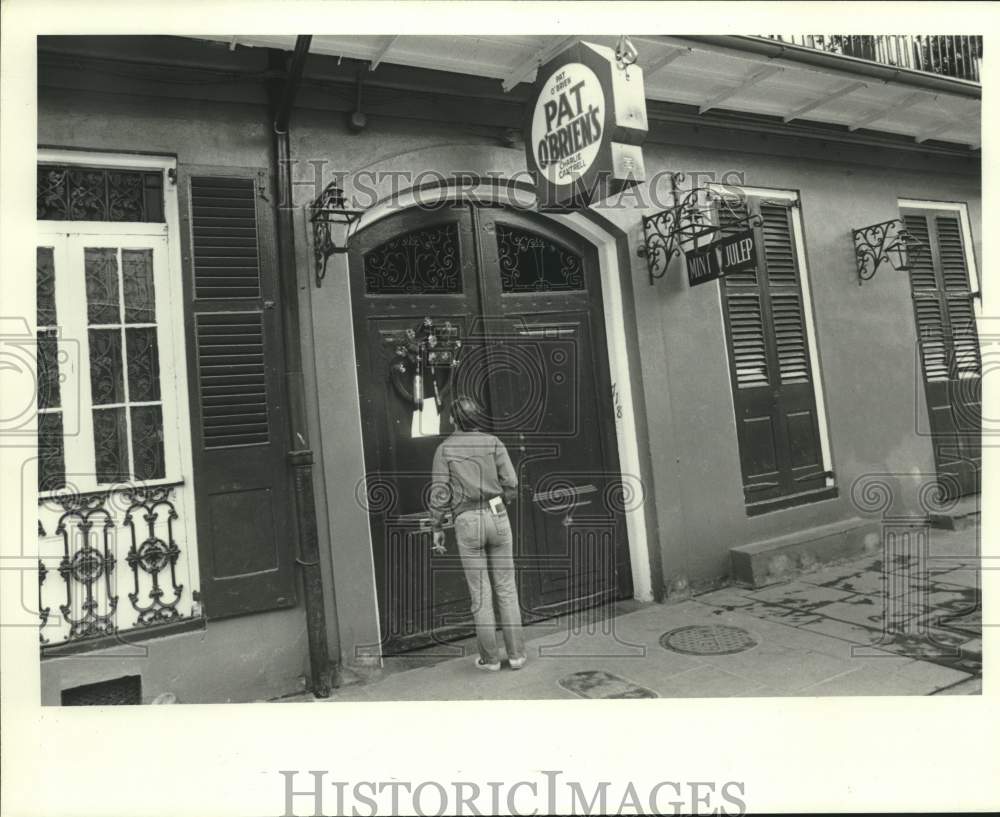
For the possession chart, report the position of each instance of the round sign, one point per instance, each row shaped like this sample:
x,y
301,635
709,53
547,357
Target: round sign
x,y
567,126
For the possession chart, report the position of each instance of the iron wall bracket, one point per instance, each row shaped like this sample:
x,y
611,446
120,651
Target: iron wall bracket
x,y
694,216
887,241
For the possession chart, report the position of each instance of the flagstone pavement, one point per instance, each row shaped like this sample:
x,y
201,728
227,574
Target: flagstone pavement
x,y
854,628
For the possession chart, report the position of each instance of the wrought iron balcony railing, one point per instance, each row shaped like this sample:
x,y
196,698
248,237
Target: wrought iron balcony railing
x,y
950,55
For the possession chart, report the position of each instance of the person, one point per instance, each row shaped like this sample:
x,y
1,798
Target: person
x,y
472,476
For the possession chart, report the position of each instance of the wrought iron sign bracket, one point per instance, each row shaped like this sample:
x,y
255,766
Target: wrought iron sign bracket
x,y
887,241
693,217
328,212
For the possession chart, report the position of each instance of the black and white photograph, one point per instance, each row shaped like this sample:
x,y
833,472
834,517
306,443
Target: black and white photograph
x,y
498,365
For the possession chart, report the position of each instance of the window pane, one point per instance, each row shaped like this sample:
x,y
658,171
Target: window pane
x,y
45,286
422,262
98,194
106,383
48,369
100,265
110,445
143,365
125,196
51,465
88,195
147,442
531,263
137,281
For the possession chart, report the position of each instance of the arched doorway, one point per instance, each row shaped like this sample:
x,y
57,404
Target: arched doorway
x,y
524,296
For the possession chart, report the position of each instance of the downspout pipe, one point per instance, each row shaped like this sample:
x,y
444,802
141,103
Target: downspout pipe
x,y
282,91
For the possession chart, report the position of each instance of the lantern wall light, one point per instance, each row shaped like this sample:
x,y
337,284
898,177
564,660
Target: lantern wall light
x,y
887,241
331,223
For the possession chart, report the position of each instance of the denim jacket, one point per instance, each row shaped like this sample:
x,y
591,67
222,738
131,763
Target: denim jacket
x,y
470,468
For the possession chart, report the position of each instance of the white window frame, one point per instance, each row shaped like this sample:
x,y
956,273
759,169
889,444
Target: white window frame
x,y
71,314
798,232
171,342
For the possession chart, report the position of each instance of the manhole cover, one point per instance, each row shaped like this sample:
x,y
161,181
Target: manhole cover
x,y
708,639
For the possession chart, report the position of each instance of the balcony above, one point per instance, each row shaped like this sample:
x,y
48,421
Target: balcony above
x,y
711,78
948,55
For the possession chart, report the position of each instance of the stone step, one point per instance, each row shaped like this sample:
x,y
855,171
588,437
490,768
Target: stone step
x,y
768,561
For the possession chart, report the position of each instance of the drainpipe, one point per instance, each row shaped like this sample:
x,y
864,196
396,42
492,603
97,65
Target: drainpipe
x,y
282,90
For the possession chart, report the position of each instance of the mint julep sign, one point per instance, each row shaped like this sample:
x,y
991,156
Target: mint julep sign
x,y
733,253
586,124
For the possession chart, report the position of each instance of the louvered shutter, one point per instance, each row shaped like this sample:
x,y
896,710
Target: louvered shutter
x,y
774,395
243,501
949,346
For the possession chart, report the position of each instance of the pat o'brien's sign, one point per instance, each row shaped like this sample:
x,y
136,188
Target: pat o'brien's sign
x,y
586,124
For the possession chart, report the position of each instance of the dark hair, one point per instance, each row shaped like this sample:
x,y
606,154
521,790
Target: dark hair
x,y
466,413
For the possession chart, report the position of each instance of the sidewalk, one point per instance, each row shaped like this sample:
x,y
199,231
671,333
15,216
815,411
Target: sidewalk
x,y
817,634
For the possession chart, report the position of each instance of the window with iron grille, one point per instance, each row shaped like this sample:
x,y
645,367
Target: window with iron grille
x,y
115,517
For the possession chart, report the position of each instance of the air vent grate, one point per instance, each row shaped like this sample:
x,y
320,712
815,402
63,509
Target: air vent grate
x,y
125,691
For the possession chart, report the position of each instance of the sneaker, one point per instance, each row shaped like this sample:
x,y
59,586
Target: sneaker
x,y
481,664
517,663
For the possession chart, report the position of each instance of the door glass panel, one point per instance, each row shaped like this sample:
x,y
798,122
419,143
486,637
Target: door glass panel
x,y
100,268
147,442
51,461
110,445
48,369
51,458
421,262
124,364
531,263
137,280
106,384
45,287
143,364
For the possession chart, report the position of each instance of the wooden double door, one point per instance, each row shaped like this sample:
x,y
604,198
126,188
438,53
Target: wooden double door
x,y
524,298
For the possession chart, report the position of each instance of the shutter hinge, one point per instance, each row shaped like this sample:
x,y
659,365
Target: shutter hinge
x,y
262,185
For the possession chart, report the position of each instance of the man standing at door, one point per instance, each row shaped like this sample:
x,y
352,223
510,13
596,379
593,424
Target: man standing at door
x,y
473,477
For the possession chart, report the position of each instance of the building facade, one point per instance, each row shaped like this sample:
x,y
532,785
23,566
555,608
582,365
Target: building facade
x,y
232,502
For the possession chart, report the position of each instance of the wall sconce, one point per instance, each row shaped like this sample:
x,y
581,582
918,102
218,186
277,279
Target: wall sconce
x,y
331,223
886,241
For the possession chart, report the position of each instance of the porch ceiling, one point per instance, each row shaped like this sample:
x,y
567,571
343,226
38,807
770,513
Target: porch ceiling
x,y
684,71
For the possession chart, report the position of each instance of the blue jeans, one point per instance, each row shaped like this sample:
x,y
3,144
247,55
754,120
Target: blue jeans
x,y
486,546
